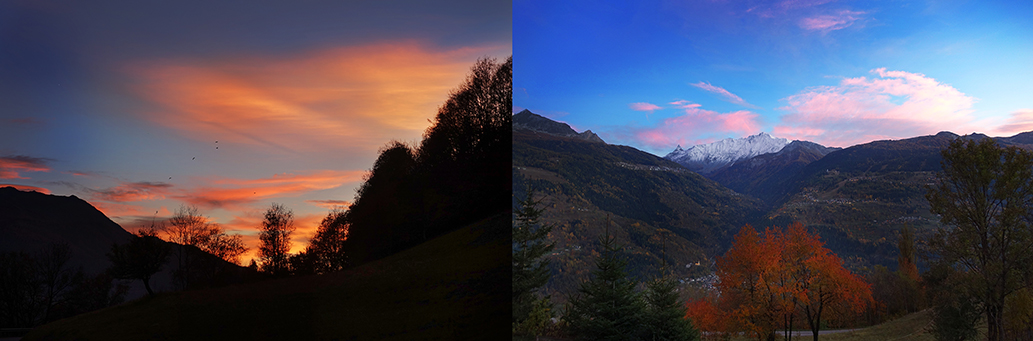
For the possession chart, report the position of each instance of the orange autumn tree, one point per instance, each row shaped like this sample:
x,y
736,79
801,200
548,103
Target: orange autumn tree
x,y
767,280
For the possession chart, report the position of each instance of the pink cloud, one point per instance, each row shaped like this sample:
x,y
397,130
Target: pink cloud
x,y
1020,121
728,96
688,129
683,104
133,191
897,104
831,22
26,188
11,165
643,106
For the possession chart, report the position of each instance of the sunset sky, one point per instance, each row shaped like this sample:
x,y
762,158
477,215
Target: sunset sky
x,y
140,107
656,74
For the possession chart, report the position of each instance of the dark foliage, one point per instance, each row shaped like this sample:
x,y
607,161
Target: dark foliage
x,y
457,175
607,307
664,317
198,236
530,244
985,195
276,240
40,288
327,246
141,258
955,312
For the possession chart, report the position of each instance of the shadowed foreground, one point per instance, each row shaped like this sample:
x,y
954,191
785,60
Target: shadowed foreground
x,y
453,287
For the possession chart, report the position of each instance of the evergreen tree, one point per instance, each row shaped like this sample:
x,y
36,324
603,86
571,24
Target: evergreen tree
x,y
607,306
665,313
530,243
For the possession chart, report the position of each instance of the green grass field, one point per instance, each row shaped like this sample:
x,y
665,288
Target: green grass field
x,y
456,286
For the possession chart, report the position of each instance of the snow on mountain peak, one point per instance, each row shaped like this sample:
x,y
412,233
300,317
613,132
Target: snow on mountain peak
x,y
706,158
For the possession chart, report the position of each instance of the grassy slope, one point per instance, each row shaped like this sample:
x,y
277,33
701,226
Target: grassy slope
x,y
453,287
907,328
910,327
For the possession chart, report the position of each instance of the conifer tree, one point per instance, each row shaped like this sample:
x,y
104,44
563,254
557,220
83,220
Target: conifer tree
x,y
530,243
665,315
607,306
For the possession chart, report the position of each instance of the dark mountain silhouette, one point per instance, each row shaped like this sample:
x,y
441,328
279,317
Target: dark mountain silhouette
x,y
651,203
761,176
30,221
526,120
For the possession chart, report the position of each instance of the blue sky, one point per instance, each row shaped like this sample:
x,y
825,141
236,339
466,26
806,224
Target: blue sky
x,y
140,107
655,74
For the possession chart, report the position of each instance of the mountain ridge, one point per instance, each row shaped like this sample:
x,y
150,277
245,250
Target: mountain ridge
x,y
707,158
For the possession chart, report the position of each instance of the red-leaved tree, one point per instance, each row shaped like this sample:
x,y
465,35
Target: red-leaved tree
x,y
767,280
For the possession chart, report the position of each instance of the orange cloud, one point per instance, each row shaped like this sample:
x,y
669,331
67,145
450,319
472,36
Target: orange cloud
x,y
11,165
329,204
354,97
232,193
26,188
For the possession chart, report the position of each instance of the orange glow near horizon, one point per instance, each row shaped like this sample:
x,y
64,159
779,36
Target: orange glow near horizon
x,y
249,225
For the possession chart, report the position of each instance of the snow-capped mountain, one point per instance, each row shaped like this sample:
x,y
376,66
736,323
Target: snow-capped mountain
x,y
706,158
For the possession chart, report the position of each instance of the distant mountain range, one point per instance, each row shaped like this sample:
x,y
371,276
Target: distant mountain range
x,y
706,158
856,198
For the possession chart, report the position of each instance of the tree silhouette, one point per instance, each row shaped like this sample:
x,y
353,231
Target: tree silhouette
x,y
21,292
327,247
459,173
189,228
54,275
276,239
140,258
985,195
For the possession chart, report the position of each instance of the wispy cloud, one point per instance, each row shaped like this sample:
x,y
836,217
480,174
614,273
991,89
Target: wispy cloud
x,y
831,22
896,104
1020,121
728,96
133,191
643,106
11,165
683,104
329,204
234,193
307,101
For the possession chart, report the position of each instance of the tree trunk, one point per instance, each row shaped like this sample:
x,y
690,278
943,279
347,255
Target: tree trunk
x,y
994,322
